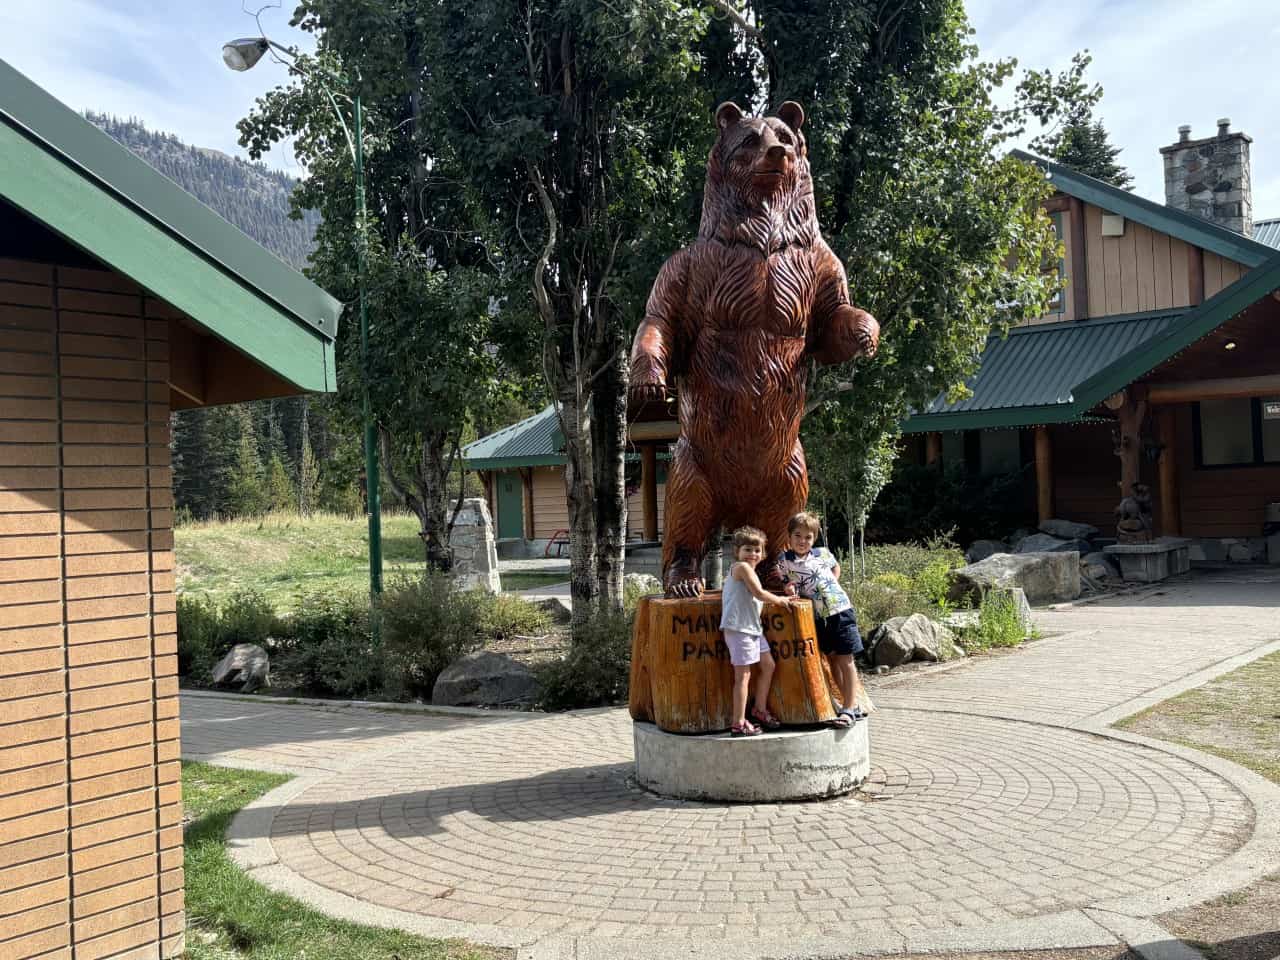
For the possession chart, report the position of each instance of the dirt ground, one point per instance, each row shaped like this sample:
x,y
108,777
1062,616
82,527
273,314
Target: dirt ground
x,y
1236,716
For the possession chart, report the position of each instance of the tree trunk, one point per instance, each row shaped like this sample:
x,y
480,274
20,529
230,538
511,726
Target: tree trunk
x,y
579,479
433,479
609,443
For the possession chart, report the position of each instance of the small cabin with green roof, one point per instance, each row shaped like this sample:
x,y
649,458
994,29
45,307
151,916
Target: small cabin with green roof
x,y
122,299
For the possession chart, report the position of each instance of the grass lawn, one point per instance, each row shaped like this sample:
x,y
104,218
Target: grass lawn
x,y
1236,716
287,555
231,916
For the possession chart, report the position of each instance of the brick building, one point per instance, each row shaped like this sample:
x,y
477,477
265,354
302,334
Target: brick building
x,y
121,299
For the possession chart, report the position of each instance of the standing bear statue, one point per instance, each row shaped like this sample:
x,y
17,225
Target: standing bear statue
x,y
732,324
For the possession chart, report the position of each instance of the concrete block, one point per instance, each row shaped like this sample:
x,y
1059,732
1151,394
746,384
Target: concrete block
x,y
1152,562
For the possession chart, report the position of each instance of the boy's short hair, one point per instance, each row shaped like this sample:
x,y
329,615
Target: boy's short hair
x,y
806,520
749,535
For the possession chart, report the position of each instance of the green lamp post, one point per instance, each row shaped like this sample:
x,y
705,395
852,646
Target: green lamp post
x,y
241,55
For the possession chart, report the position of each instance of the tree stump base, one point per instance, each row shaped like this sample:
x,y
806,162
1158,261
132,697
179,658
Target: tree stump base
x,y
682,680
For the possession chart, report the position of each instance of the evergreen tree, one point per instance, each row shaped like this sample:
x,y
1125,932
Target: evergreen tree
x,y
1084,146
1078,140
280,492
246,491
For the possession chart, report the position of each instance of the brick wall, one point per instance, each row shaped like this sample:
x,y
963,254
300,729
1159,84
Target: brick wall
x,y
90,800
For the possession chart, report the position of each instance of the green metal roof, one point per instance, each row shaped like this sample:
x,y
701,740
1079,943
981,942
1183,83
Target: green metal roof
x,y
63,171
1033,375
1051,373
533,442
1192,229
1268,232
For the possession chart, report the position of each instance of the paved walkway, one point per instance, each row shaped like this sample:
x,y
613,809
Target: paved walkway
x,y
1001,812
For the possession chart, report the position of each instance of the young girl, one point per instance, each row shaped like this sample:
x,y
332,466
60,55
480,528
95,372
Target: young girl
x,y
741,603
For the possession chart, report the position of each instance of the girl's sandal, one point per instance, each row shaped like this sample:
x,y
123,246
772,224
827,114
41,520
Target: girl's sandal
x,y
744,729
843,720
765,719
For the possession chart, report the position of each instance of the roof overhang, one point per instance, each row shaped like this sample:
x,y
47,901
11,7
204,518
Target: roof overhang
x,y
63,172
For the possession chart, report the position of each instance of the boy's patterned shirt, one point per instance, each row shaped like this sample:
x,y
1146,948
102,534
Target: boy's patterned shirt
x,y
814,578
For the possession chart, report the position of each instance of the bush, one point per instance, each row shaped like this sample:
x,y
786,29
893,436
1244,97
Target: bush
x,y
327,649
207,629
595,671
998,623
894,581
920,501
876,602
503,616
427,623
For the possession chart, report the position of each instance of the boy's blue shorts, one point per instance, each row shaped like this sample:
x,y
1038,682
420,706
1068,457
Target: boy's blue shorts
x,y
838,634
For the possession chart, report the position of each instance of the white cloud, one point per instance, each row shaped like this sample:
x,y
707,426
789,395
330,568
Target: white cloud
x,y
1162,63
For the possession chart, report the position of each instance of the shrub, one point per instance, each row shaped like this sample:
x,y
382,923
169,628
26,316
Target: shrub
x,y
920,501
503,616
874,603
894,581
427,623
207,629
327,649
998,623
594,672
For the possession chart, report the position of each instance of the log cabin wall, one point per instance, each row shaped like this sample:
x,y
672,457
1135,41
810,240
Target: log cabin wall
x,y
90,798
1221,501
1086,475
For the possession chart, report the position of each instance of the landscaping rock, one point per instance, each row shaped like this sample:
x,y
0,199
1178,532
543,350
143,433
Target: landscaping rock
x,y
246,664
900,639
560,608
1239,553
1045,577
1016,538
981,549
1099,566
1044,543
485,679
1067,530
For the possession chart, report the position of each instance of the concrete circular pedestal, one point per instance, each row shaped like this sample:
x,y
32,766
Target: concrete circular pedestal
x,y
810,764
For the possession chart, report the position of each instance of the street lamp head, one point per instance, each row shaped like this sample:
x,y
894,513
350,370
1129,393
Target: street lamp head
x,y
242,54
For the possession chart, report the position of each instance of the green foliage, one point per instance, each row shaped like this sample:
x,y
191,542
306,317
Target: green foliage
x,y
921,501
894,581
902,579
281,495
934,581
504,616
877,602
1085,146
1078,141
427,624
208,628
998,624
327,649
595,671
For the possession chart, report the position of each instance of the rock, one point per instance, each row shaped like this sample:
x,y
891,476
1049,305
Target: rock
x,y
641,583
1099,566
1043,543
246,664
1067,530
1239,553
981,549
1017,537
1019,598
1045,577
484,678
901,639
475,552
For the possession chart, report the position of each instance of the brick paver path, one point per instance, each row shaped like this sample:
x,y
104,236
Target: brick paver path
x,y
990,800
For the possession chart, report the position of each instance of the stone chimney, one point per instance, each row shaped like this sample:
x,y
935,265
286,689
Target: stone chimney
x,y
1210,177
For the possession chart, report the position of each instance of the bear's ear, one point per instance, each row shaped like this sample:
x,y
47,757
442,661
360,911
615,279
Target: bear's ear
x,y
792,114
727,114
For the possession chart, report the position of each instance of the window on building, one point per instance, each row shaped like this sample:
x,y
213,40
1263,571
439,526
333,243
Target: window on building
x,y
1237,432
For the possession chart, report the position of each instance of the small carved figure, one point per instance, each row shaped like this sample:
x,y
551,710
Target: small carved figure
x,y
1133,516
735,318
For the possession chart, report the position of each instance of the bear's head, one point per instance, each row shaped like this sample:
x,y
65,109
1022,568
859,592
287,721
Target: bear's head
x,y
758,177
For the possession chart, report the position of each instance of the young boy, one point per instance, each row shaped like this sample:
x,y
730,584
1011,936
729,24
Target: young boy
x,y
815,574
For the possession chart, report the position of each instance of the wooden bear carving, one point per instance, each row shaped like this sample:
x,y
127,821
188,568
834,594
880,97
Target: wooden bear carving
x,y
734,320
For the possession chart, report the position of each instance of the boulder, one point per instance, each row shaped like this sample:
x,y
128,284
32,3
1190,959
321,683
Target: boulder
x,y
1019,598
981,549
247,665
1017,537
1067,530
1239,553
484,679
1044,577
916,637
1099,566
1043,543
560,608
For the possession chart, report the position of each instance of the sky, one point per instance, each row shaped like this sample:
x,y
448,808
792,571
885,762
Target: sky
x,y
1162,63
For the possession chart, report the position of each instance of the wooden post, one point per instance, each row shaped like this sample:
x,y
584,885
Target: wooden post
x,y
1170,504
649,490
1076,250
932,448
1133,515
486,479
1044,474
526,478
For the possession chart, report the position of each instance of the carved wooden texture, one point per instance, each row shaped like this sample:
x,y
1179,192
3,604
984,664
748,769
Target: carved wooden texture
x,y
682,679
735,319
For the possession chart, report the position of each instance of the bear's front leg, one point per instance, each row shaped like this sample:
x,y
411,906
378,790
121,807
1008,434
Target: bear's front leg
x,y
849,333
